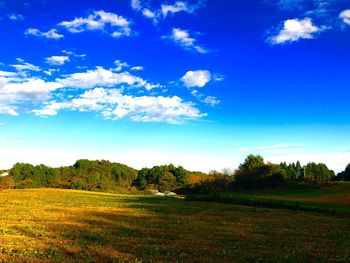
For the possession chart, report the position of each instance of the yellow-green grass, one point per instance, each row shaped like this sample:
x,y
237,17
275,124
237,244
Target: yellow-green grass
x,y
48,225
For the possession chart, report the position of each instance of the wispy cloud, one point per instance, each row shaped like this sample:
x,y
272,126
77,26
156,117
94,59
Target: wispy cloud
x,y
23,66
165,9
118,26
179,6
211,100
15,17
57,60
137,68
51,34
103,77
72,53
8,110
182,38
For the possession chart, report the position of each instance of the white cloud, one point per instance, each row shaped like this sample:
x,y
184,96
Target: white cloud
x,y
51,34
32,88
72,53
102,77
15,17
8,110
21,92
23,66
136,5
57,60
148,13
182,38
165,9
295,29
137,68
51,71
98,20
211,100
16,89
112,104
175,8
198,78
7,74
120,65
345,16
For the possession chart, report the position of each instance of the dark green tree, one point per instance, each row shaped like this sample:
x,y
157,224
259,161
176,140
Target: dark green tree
x,y
317,173
252,162
167,182
345,175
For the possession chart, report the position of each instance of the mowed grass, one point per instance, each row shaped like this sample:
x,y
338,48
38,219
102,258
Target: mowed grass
x,y
48,225
336,193
333,197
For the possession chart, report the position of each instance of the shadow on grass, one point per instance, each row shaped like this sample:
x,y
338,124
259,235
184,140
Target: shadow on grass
x,y
247,200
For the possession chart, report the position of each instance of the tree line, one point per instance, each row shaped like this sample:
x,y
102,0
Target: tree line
x,y
99,176
255,174
83,175
102,175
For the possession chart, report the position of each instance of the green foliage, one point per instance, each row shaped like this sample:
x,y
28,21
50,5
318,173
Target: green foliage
x,y
167,182
252,162
294,171
317,173
345,175
142,178
159,177
26,183
257,177
102,175
84,174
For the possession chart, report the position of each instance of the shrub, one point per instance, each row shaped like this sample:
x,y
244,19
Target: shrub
x,y
7,182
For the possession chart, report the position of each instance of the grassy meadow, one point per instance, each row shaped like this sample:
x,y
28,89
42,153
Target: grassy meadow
x,y
53,225
331,198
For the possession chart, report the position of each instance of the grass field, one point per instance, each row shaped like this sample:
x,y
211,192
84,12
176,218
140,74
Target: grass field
x,y
48,225
334,194
332,198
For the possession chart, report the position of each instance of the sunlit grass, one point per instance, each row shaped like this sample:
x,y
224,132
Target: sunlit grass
x,y
63,225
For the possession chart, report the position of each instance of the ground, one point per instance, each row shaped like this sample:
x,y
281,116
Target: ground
x,y
51,225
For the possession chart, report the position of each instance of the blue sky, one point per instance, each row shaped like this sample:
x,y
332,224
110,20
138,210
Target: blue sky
x,y
197,83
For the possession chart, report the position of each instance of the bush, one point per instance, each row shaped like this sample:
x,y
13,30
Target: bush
x,y
167,182
266,176
26,183
7,182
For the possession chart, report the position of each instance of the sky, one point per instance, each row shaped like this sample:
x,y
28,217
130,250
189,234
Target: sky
x,y
198,83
